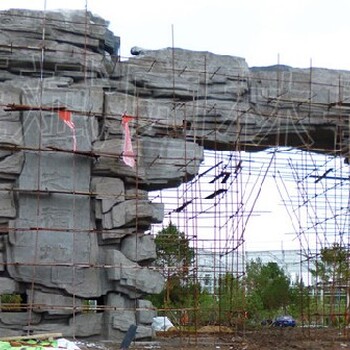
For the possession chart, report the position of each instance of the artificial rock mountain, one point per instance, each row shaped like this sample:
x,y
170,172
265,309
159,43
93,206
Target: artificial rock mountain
x,y
74,221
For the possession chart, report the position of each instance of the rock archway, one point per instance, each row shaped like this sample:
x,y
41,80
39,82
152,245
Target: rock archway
x,y
73,217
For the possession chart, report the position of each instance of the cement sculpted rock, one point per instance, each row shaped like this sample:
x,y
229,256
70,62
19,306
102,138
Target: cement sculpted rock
x,y
76,249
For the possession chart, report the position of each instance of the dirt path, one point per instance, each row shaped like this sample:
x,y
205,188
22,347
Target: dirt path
x,y
264,339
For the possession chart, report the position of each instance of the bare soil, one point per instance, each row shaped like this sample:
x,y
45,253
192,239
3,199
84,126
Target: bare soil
x,y
262,339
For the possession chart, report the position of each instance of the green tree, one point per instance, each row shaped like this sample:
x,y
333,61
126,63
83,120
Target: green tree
x,y
331,271
231,300
332,265
268,288
174,259
302,304
208,308
174,254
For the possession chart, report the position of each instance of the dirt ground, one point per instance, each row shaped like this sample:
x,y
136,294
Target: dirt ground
x,y
262,339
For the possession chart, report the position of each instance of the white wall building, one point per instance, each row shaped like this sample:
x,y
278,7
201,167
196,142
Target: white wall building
x,y
293,262
209,269
211,265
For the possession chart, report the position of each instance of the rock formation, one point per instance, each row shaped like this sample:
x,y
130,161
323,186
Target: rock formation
x,y
74,218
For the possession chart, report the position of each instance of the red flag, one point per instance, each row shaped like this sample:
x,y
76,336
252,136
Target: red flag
x,y
128,153
66,116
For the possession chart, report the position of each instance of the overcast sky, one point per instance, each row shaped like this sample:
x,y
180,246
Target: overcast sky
x,y
259,30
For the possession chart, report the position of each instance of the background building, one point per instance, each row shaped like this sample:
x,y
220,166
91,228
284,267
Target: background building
x,y
211,265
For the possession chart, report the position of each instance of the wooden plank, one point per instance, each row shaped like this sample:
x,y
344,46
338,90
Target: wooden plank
x,y
34,336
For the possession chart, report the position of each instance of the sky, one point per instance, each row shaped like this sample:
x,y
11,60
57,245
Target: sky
x,y
298,33
291,208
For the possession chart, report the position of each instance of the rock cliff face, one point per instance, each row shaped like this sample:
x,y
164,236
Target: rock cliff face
x,y
73,213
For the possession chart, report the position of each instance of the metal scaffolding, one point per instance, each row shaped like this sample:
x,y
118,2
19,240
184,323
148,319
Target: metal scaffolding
x,y
288,191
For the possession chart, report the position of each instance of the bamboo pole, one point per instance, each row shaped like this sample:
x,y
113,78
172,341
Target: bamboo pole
x,y
33,336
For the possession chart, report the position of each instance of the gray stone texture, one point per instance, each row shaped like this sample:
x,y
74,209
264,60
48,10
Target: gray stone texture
x,y
139,248
87,324
143,332
129,275
7,205
145,312
18,318
8,285
126,213
11,165
54,304
109,190
77,218
117,303
2,262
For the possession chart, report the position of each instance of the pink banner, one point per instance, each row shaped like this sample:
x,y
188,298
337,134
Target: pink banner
x,y
128,153
66,116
